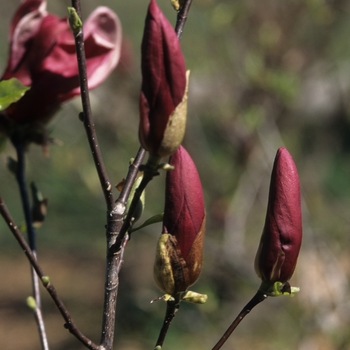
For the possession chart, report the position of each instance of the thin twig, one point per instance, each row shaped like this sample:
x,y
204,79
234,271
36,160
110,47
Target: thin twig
x,y
172,307
70,325
114,265
149,172
87,117
257,298
115,258
21,181
182,17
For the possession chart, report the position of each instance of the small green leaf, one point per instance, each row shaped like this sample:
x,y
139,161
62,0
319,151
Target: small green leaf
x,y
11,91
150,221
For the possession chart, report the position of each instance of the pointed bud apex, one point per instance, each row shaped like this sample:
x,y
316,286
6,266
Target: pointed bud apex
x,y
163,100
74,21
281,238
180,246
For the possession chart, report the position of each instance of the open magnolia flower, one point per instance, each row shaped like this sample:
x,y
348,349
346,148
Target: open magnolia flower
x,y
281,238
163,100
179,253
42,56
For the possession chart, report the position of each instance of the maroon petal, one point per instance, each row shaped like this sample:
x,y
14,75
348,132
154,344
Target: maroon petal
x,y
163,77
184,203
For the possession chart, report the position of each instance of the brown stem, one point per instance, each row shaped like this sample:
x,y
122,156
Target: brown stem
x,y
87,115
70,325
115,258
172,307
150,170
257,298
22,185
114,264
182,17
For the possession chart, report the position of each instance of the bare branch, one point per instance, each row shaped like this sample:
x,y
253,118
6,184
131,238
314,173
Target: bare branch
x,y
87,115
70,325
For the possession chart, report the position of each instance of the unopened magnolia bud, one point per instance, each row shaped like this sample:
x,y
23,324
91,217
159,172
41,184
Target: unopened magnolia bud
x,y
179,252
163,99
281,238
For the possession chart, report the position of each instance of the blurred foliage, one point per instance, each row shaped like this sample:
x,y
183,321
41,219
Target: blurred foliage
x,y
263,74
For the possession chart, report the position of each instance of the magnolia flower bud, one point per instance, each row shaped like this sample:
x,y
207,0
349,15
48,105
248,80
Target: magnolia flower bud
x,y
281,238
163,100
180,247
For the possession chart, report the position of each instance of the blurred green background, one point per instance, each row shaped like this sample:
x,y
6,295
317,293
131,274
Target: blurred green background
x,y
264,73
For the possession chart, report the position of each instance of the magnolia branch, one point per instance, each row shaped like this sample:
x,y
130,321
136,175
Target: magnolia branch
x,y
182,17
87,114
21,181
45,280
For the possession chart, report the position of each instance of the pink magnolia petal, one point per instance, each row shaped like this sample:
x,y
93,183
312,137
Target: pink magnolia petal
x,y
24,26
26,7
103,41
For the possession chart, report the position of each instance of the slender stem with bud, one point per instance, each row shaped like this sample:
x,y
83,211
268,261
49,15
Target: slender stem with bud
x,y
87,113
21,181
182,17
70,324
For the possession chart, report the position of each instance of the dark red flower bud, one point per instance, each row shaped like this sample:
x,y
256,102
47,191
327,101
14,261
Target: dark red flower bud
x,y
42,56
281,238
163,100
180,247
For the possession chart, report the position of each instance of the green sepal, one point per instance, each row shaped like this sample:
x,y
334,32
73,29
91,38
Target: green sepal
x,y
31,303
194,297
74,20
277,289
150,221
11,91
